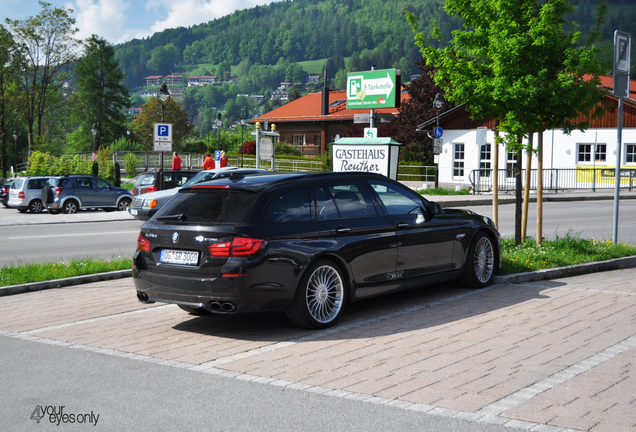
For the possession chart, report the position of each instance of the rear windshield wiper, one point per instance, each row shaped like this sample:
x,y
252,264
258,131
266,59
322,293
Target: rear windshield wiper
x,y
180,217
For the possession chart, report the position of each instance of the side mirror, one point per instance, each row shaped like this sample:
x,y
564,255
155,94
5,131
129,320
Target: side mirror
x,y
436,208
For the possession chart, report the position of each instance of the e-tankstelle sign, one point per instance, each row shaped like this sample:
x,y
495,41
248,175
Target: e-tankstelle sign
x,y
375,155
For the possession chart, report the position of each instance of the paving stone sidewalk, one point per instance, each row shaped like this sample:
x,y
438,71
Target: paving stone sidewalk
x,y
547,356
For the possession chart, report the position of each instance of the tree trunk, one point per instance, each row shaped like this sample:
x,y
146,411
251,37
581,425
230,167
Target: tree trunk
x,y
495,176
518,197
526,191
540,188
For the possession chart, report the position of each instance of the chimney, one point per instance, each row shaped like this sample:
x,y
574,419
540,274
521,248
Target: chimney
x,y
325,97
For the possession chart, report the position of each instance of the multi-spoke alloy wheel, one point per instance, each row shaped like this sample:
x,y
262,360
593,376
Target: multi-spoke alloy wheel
x,y
320,296
479,268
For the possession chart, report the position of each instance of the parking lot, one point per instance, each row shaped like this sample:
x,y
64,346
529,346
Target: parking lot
x,y
544,356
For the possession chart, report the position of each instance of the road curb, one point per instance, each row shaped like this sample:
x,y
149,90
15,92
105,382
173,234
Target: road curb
x,y
567,271
59,283
539,275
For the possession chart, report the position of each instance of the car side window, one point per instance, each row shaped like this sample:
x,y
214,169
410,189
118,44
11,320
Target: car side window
x,y
83,183
63,182
396,200
101,184
351,200
290,206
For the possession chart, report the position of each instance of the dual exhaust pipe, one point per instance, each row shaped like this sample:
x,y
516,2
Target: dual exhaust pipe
x,y
215,306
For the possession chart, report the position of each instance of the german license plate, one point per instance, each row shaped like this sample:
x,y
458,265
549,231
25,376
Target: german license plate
x,y
133,212
179,257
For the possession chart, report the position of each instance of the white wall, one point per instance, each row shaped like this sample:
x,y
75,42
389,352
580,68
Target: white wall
x,y
558,152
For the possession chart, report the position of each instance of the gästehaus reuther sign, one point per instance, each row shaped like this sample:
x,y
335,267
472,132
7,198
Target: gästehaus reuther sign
x,y
374,155
375,89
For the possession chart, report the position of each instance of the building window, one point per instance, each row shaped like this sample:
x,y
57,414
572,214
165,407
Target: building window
x,y
511,163
585,153
318,139
631,153
458,160
299,140
484,160
600,155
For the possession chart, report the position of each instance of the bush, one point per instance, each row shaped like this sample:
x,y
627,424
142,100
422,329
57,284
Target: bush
x,y
95,169
123,144
249,148
80,165
130,163
284,148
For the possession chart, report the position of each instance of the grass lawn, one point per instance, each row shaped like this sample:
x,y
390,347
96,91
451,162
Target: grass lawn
x,y
527,257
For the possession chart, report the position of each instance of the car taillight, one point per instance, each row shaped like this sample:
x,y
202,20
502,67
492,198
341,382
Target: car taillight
x,y
21,195
143,244
58,191
151,189
134,191
239,246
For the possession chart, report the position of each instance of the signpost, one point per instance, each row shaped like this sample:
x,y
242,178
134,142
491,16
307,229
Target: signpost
x,y
622,50
375,89
370,132
162,137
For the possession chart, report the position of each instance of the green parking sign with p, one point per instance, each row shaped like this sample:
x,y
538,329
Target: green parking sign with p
x,y
375,89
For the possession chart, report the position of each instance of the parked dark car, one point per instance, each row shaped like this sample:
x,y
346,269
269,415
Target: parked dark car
x,y
70,194
146,205
305,243
4,192
150,181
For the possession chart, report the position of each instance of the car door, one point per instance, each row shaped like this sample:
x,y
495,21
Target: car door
x,y
85,191
103,193
367,238
425,241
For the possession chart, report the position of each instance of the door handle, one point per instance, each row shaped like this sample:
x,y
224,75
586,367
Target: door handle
x,y
402,225
343,230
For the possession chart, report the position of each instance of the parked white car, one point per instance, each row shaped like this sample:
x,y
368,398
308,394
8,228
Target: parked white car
x,y
25,194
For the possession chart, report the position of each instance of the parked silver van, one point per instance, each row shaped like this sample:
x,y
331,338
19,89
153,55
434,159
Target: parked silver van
x,y
25,193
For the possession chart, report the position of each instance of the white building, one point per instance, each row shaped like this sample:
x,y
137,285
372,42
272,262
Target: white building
x,y
461,156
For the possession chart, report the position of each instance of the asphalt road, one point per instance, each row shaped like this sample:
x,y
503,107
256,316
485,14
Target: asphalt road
x,y
588,219
42,238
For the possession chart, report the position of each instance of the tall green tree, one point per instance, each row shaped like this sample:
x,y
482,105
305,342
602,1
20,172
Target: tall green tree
x,y
151,114
101,95
8,94
515,61
46,48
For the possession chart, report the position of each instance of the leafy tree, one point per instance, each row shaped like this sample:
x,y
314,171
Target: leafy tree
x,y
151,114
46,47
8,94
101,94
514,62
418,109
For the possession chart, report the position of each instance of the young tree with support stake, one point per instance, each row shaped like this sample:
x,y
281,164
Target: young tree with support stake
x,y
514,62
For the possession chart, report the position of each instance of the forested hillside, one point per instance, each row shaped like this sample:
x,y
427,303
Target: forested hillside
x,y
300,30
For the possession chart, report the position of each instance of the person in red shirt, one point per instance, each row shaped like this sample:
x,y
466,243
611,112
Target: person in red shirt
x,y
176,162
208,163
223,159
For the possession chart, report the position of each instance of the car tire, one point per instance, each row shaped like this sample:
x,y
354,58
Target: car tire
x,y
124,204
70,207
36,206
195,310
320,297
479,268
52,211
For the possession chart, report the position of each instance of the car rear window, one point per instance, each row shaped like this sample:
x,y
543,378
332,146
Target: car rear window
x,y
17,184
145,180
207,206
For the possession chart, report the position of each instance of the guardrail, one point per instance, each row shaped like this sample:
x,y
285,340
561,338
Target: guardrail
x,y
555,179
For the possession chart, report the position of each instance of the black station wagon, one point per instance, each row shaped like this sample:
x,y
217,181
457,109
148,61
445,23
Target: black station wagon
x,y
306,244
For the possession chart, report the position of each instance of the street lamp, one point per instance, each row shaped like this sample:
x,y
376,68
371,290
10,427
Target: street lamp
x,y
15,153
242,140
438,103
163,96
94,131
219,123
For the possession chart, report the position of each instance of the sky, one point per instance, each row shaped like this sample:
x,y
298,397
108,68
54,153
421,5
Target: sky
x,y
119,21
